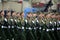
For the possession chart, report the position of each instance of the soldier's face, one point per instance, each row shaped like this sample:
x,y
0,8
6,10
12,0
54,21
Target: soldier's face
x,y
34,15
22,15
18,15
53,16
58,16
48,15
41,15
29,15
2,13
14,14
9,14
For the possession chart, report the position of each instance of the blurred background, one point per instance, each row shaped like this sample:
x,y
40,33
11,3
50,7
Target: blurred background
x,y
21,5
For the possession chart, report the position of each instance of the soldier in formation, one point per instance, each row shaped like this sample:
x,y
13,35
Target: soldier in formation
x,y
36,26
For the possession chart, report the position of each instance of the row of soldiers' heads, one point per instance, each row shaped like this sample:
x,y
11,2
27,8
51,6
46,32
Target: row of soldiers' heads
x,y
10,13
30,14
44,15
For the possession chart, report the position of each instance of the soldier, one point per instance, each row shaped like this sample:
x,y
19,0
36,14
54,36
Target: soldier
x,y
8,14
2,14
34,18
41,21
13,14
29,18
12,23
58,24
8,33
51,24
34,25
41,17
22,18
14,20
3,36
29,27
58,16
18,15
21,25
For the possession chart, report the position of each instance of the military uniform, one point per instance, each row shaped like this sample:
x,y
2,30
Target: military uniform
x,y
3,36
